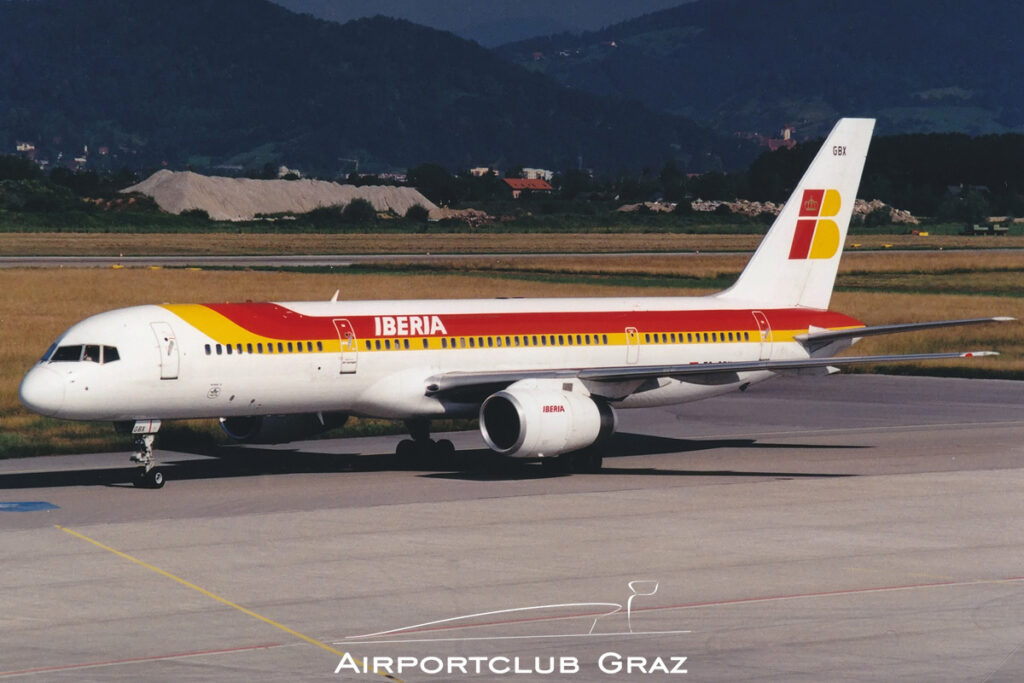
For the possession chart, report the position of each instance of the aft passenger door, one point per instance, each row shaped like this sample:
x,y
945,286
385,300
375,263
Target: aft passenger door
x,y
349,345
168,345
765,332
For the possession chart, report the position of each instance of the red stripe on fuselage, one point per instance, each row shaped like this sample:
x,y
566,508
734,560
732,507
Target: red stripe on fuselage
x,y
278,322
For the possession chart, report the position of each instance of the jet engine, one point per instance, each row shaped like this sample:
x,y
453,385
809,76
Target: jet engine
x,y
535,419
279,428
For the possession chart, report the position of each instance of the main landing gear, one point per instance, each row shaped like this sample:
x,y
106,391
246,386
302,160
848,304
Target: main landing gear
x,y
143,436
422,448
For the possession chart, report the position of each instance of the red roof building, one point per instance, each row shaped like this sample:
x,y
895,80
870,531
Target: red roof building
x,y
520,184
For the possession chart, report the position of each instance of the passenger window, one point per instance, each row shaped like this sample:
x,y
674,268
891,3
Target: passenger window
x,y
207,347
291,349
509,344
319,346
425,344
490,342
229,348
561,340
444,342
110,354
604,338
377,344
248,348
534,340
472,343
405,343
220,349
387,344
259,347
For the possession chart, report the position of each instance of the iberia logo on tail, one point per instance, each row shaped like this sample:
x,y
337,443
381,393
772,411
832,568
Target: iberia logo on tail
x,y
817,236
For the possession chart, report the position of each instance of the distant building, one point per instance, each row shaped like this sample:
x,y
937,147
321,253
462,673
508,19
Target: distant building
x,y
538,174
27,149
481,171
785,139
520,185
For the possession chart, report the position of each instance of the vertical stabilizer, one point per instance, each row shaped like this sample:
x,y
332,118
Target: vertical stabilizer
x,y
796,263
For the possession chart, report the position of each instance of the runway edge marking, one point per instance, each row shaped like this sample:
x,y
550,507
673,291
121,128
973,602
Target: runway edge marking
x,y
223,601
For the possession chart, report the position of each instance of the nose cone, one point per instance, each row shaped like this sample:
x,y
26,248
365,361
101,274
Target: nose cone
x,y
42,391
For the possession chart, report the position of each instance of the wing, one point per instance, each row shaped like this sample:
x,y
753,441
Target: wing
x,y
620,381
467,384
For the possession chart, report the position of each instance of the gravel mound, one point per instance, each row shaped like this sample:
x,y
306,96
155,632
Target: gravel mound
x,y
241,199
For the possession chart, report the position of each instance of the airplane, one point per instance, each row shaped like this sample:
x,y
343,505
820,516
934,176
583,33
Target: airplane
x,y
544,376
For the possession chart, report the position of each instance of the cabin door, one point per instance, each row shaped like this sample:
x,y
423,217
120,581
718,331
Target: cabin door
x,y
765,331
349,345
168,345
632,345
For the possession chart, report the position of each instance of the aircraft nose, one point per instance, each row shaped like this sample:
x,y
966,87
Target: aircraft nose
x,y
42,391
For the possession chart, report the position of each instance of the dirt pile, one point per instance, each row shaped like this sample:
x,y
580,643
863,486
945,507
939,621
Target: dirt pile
x,y
242,199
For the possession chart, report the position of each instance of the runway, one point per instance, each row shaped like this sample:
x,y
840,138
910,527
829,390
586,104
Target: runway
x,y
849,528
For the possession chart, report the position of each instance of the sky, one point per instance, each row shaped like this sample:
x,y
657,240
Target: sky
x,y
489,22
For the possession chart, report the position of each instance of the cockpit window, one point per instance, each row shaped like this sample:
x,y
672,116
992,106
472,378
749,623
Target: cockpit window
x,y
67,353
49,352
89,353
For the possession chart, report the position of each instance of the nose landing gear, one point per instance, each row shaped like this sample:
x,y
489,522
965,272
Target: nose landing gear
x,y
143,436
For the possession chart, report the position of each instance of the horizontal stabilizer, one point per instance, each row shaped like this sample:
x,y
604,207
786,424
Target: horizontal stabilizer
x,y
817,339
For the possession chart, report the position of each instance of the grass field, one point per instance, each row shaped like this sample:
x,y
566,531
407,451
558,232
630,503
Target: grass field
x,y
38,304
221,243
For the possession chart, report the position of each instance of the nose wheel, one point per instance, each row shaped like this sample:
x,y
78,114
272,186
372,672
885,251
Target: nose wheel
x,y
148,475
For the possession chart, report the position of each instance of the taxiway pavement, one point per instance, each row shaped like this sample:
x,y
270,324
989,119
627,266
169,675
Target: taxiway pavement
x,y
850,528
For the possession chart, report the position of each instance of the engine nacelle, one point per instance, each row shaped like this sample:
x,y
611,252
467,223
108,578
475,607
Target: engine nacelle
x,y
532,420
279,428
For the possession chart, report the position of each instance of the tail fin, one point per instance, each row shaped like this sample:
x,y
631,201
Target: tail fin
x,y
796,263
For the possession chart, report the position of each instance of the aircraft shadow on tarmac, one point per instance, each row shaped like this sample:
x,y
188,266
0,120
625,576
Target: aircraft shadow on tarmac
x,y
472,464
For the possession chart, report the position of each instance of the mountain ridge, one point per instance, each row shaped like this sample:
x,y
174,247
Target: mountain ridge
x,y
919,66
207,83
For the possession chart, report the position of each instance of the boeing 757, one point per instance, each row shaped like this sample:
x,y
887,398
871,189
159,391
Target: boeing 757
x,y
544,376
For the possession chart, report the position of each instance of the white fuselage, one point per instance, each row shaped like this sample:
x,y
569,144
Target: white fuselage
x,y
376,358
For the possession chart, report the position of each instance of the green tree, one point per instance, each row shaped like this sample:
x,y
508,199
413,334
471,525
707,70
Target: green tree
x,y
358,211
417,213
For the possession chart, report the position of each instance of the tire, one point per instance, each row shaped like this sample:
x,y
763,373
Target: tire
x,y
405,452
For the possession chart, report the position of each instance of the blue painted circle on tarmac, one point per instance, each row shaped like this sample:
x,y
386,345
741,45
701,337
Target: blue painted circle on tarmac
x,y
26,506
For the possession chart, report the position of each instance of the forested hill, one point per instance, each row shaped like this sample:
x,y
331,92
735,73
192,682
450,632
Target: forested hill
x,y
748,65
245,82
